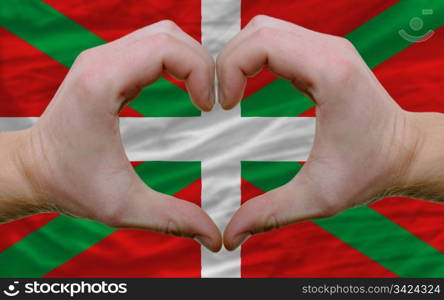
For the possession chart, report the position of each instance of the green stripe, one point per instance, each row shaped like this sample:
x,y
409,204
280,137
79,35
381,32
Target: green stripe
x,y
377,40
169,177
63,39
385,242
164,99
50,246
277,99
269,175
63,238
362,228
46,29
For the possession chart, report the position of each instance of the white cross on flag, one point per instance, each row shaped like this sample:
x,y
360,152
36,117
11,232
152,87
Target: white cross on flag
x,y
222,158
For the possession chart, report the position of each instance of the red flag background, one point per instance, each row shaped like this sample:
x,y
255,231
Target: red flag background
x,y
30,75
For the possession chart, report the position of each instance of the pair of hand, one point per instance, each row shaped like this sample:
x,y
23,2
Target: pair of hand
x,y
364,143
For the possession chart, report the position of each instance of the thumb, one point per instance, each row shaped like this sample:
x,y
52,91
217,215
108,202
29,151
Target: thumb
x,y
294,202
154,211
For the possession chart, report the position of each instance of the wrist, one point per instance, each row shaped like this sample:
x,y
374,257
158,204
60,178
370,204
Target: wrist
x,y
422,173
18,195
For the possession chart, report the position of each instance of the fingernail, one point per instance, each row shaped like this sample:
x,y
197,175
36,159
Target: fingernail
x,y
240,239
203,241
207,106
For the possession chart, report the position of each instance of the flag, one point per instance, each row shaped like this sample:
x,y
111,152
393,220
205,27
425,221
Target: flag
x,y
240,157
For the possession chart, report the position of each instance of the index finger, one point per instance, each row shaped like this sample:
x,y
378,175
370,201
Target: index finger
x,y
120,69
290,51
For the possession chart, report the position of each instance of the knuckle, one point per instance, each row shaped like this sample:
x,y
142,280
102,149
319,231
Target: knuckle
x,y
92,56
345,69
345,44
271,223
162,39
172,228
85,56
265,33
86,59
168,25
83,82
259,20
87,70
344,59
345,66
202,65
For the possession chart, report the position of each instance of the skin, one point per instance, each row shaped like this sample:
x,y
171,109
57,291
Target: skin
x,y
73,161
366,147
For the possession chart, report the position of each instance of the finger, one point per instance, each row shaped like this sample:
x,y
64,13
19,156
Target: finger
x,y
291,203
125,66
203,54
165,52
151,210
167,26
255,23
289,51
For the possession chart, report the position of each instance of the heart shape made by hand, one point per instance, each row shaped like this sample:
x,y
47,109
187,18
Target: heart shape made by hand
x,y
362,145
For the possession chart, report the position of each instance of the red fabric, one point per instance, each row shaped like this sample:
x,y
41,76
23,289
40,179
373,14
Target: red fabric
x,y
422,218
305,250
249,191
28,77
14,231
137,253
302,250
311,112
129,112
111,19
100,17
415,77
338,17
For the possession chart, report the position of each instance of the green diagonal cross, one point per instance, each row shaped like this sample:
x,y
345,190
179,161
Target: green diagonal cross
x,y
44,28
